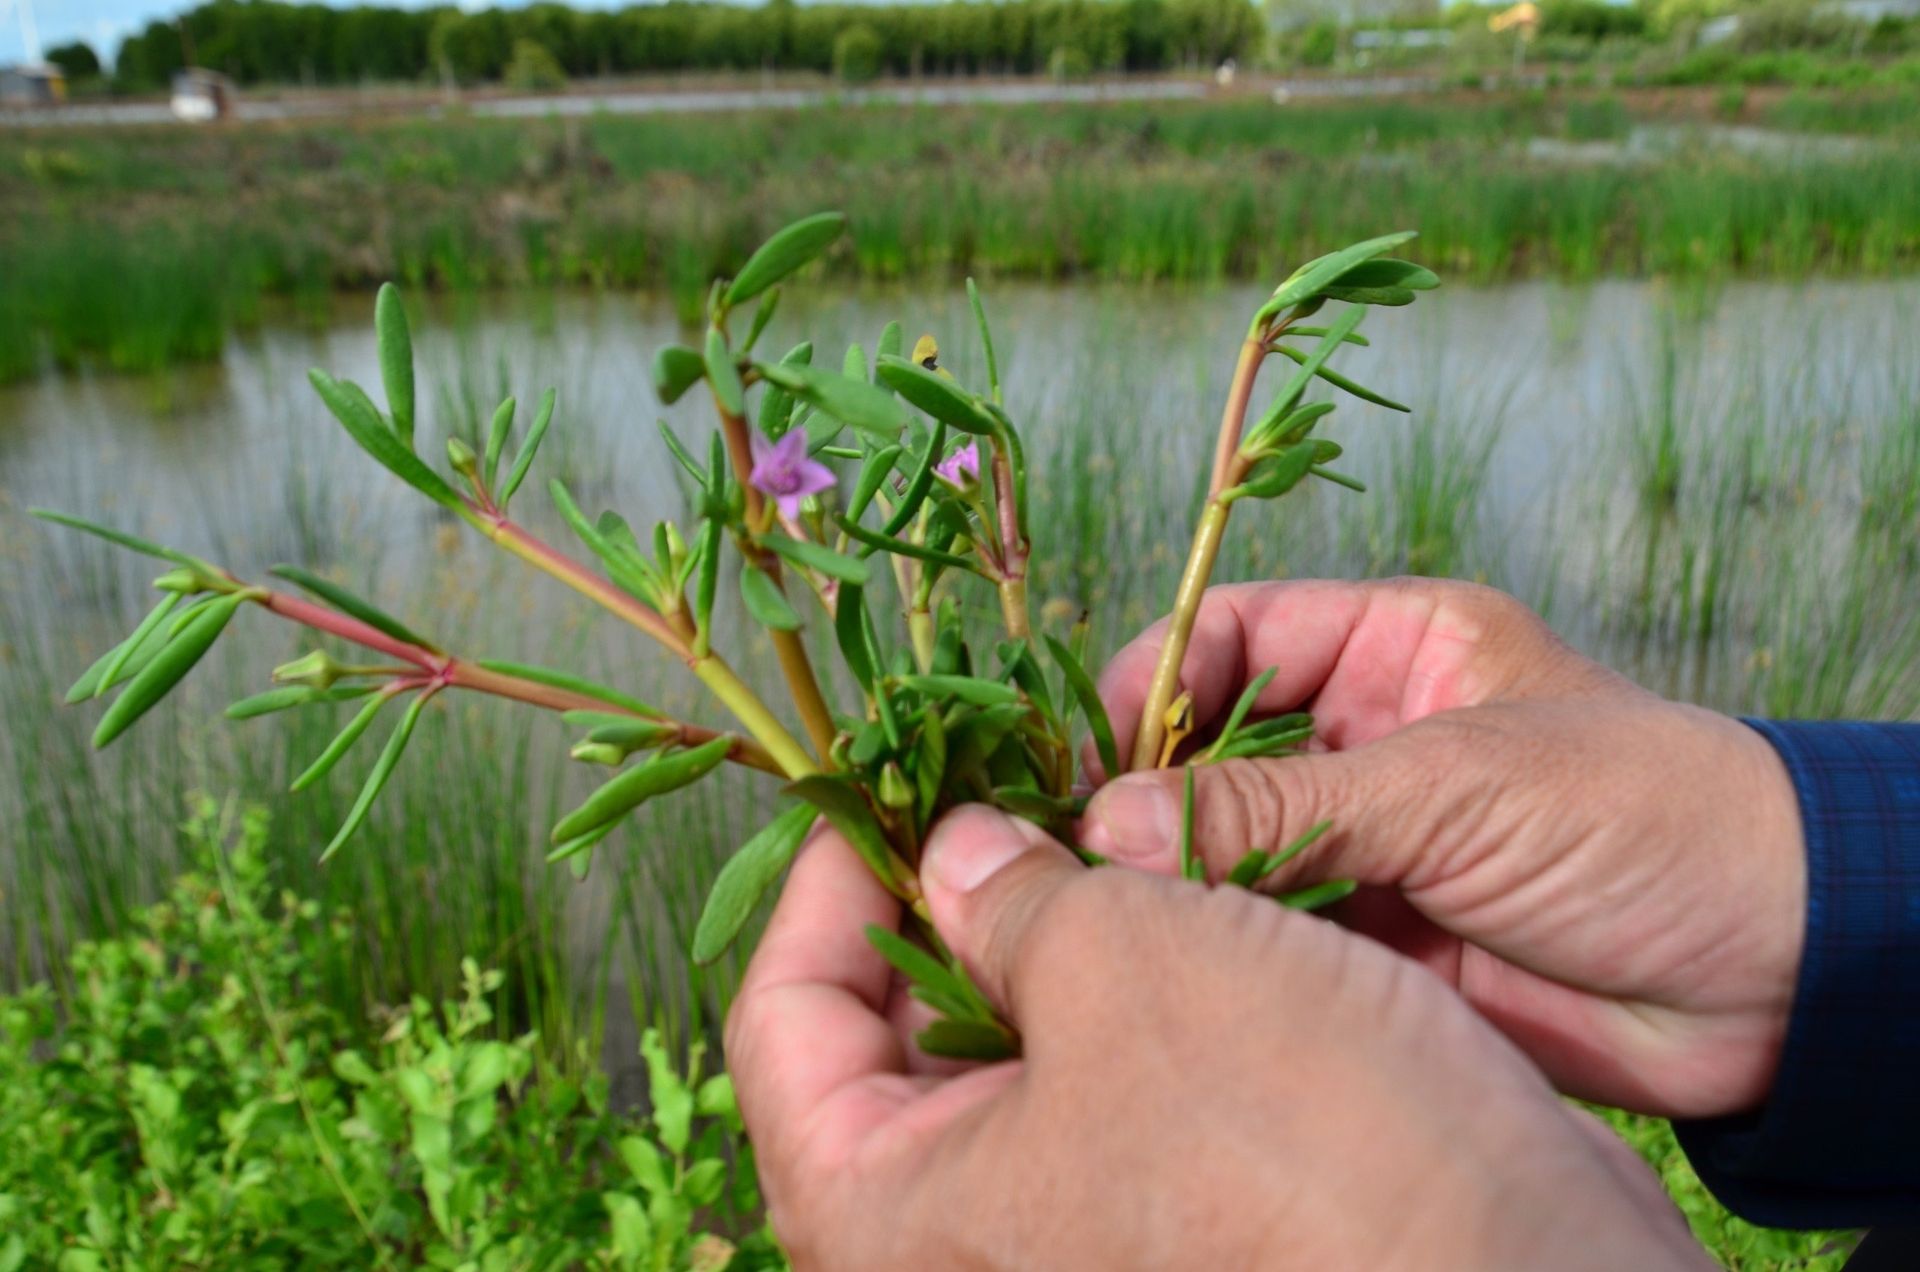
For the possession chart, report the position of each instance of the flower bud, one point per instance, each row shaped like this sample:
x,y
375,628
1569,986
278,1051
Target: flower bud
x,y
316,670
895,790
182,579
599,753
461,456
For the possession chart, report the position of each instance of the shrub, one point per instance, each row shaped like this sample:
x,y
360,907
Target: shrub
x,y
856,55
188,1103
533,69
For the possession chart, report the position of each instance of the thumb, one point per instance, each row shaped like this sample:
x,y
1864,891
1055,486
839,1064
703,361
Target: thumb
x,y
987,878
1384,812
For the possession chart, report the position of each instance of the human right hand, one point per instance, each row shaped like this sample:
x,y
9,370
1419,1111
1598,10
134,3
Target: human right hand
x,y
1616,881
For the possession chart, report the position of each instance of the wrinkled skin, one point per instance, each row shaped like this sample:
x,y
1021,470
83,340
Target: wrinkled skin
x,y
1618,882
1210,1080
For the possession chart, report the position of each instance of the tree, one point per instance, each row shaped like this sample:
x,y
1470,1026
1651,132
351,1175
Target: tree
x,y
77,60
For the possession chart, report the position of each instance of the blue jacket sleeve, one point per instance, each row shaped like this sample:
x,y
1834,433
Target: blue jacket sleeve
x,y
1837,1143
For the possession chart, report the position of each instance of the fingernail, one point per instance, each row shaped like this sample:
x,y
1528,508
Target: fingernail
x,y
1135,822
971,845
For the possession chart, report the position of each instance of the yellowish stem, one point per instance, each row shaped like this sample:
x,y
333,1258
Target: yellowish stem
x,y
753,713
1186,608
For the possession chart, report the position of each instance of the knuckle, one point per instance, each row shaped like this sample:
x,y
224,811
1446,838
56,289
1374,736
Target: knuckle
x,y
1260,804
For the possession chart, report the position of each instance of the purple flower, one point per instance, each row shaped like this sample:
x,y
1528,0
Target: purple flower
x,y
960,469
783,470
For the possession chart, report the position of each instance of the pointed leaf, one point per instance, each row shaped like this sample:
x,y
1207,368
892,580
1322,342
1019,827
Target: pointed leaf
x,y
901,547
745,878
569,682
968,1040
1308,281
1319,895
873,473
497,440
1088,696
377,779
815,556
918,485
294,696
850,630
723,375
347,603
524,459
1241,707
979,693
788,250
120,537
1387,271
938,396
1339,381
865,407
986,337
635,786
847,810
396,358
676,369
342,742
115,664
765,601
776,407
357,414
166,670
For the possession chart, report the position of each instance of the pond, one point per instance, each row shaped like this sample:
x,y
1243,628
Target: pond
x,y
1713,489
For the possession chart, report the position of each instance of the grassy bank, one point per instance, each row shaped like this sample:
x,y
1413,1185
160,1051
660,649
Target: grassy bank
x,y
133,250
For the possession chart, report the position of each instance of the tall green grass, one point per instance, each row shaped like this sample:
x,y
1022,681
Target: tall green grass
x,y
135,250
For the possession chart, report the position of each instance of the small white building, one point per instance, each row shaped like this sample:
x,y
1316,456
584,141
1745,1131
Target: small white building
x,y
200,96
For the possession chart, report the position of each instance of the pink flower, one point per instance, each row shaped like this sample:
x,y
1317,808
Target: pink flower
x,y
784,470
960,469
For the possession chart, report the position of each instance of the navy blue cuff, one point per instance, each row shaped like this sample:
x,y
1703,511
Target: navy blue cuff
x,y
1837,1143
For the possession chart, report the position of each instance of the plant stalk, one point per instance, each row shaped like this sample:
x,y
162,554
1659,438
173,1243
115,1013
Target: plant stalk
x,y
1228,466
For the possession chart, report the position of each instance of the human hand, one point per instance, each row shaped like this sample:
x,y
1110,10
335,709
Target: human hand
x,y
1209,1080
1618,882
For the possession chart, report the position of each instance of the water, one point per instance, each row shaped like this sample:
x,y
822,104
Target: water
x,y
1691,483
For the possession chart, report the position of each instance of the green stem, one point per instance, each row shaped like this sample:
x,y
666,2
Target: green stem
x,y
753,713
1186,608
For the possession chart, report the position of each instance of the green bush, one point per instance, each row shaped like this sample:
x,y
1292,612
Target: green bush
x,y
856,55
533,69
188,1104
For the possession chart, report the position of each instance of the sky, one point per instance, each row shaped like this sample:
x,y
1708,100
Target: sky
x,y
104,23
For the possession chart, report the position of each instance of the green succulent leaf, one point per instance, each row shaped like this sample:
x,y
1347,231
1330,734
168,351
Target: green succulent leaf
x,y
767,604
569,682
918,485
523,460
892,339
635,786
745,878
876,542
294,696
166,670
787,251
353,606
396,358
497,440
1339,381
357,414
850,630
967,689
847,810
121,538
1312,278
1088,696
1387,271
980,1040
1242,705
864,407
723,375
776,405
342,742
874,471
815,556
377,779
114,667
938,396
986,337
1319,895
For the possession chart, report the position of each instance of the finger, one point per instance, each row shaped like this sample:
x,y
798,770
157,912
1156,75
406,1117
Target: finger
x,y
1228,648
987,877
815,1061
1388,813
1369,657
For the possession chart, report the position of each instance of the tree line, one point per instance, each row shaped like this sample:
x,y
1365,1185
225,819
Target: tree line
x,y
271,42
